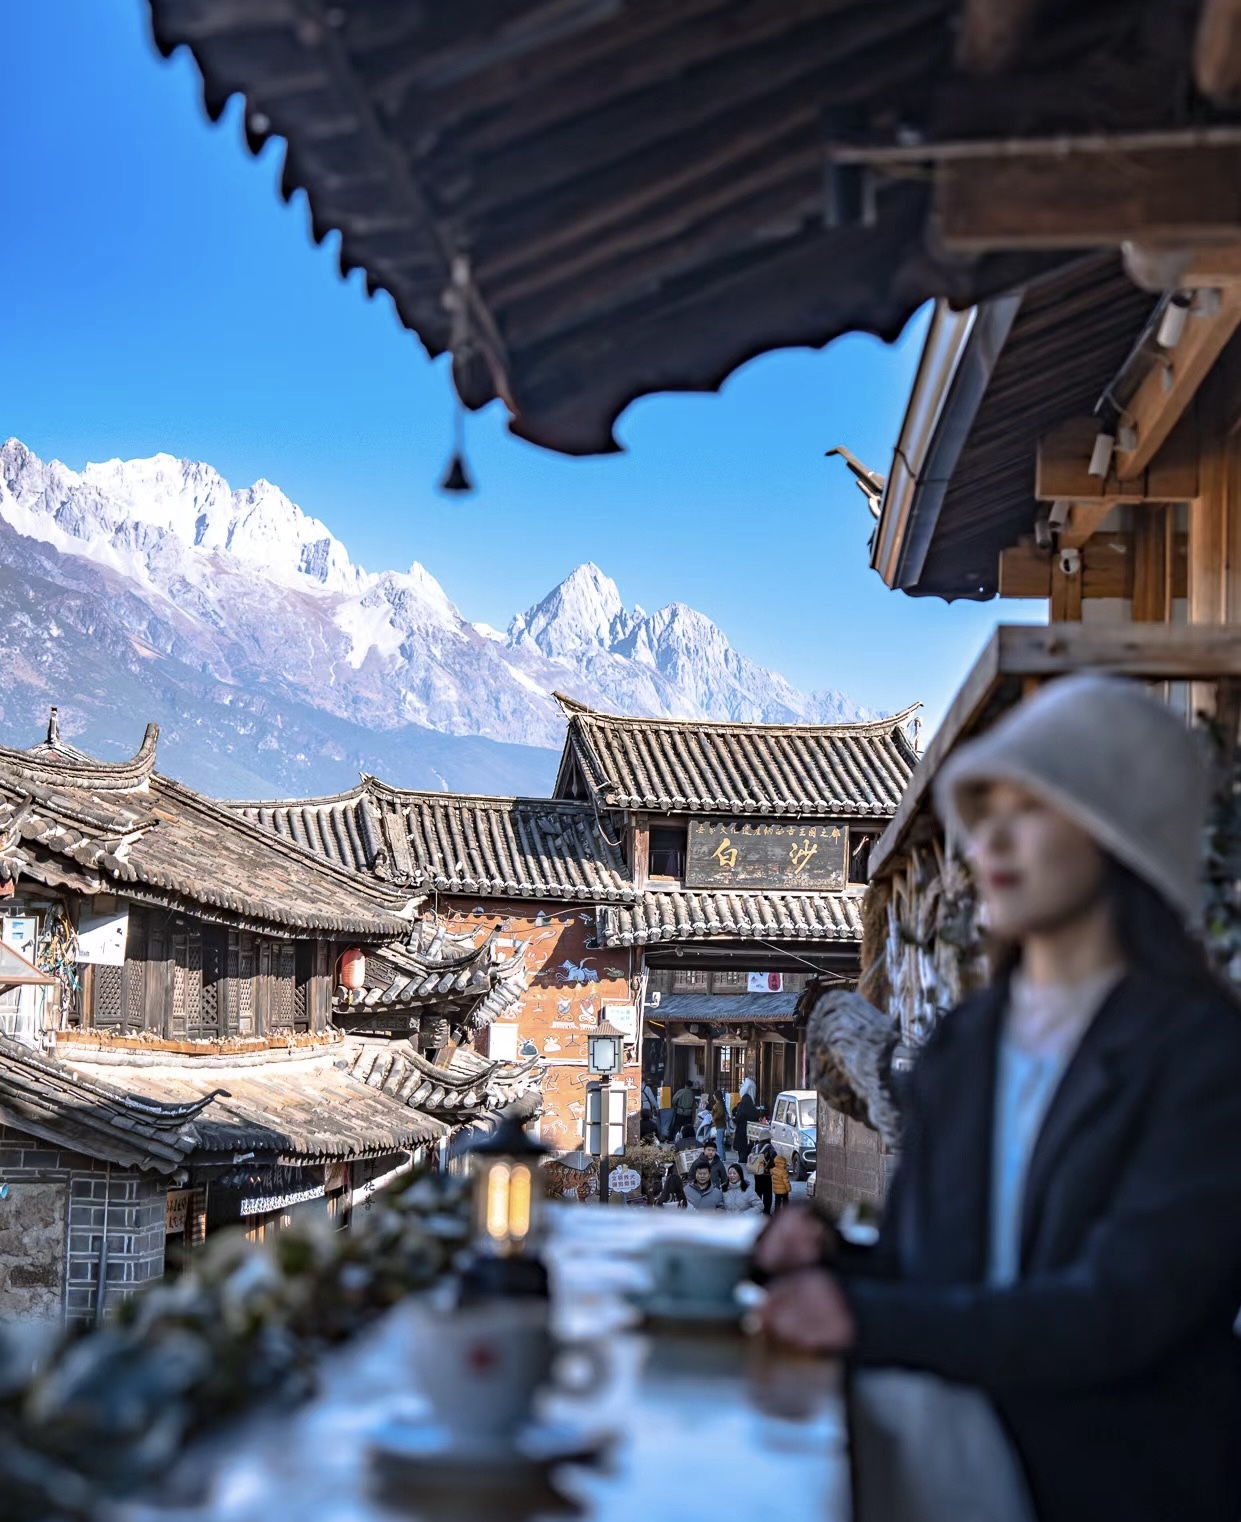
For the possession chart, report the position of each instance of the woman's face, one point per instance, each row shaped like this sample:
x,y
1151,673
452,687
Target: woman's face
x,y
1036,870
734,1175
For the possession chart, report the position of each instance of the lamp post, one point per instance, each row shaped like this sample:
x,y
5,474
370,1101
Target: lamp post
x,y
605,1047
507,1236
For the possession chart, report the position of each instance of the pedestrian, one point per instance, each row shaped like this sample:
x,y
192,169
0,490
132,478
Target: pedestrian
x,y
684,1103
739,1196
711,1160
673,1191
719,1119
781,1184
702,1192
744,1111
760,1170
1064,1232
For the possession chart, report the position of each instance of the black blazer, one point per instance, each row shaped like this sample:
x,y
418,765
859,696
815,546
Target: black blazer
x,y
1112,1361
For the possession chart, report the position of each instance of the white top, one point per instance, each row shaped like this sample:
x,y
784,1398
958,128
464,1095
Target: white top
x,y
1042,1028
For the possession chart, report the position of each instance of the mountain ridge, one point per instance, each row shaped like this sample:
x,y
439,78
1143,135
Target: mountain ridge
x,y
273,661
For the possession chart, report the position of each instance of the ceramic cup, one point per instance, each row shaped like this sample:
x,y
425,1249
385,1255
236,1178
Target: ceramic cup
x,y
482,1366
697,1273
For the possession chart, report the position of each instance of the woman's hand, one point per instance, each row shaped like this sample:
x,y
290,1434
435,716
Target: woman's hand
x,y
796,1239
807,1311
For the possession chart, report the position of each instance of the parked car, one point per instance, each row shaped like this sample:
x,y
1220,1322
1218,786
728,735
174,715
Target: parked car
x,y
794,1130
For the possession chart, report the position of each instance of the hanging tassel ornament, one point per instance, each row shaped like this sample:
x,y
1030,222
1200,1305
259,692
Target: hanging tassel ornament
x,y
456,480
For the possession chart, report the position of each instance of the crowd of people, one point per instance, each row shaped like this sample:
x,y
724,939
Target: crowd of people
x,y
758,1180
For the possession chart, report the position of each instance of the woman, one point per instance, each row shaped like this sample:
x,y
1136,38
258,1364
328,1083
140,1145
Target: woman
x,y
744,1112
701,1192
739,1196
1064,1231
761,1159
673,1191
719,1119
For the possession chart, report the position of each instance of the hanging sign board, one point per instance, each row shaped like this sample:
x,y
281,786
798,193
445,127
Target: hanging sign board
x,y
624,1180
745,853
625,1018
176,1212
102,937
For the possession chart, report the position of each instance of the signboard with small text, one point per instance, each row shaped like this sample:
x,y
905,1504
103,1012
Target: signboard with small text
x,y
746,853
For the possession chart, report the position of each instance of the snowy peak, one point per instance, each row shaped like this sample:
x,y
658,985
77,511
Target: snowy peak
x,y
582,614
131,505
674,662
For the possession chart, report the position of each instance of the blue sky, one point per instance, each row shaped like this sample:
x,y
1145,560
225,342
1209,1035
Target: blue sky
x,y
158,295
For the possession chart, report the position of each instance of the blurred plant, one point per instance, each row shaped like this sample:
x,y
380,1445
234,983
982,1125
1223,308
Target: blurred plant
x,y
108,1411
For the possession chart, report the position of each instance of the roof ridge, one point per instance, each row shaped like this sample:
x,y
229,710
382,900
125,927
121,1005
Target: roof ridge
x,y
385,894
886,723
52,759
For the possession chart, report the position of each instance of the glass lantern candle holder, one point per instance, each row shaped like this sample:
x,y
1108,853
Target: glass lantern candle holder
x,y
505,1257
605,1047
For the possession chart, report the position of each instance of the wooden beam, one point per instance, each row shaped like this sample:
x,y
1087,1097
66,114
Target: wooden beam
x,y
1217,51
1170,386
1107,568
1025,571
1085,519
1065,606
1089,200
991,34
1150,566
1062,457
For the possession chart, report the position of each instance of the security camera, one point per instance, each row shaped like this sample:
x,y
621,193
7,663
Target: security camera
x,y
1070,562
1044,534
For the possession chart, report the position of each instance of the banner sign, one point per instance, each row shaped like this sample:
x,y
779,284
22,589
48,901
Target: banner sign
x,y
764,982
266,1204
744,853
102,937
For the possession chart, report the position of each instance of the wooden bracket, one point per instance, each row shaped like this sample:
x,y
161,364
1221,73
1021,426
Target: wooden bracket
x,y
1063,455
1175,196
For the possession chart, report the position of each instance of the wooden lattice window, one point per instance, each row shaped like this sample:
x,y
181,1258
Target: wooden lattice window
x,y
245,984
304,953
108,1001
187,983
213,1010
283,990
117,995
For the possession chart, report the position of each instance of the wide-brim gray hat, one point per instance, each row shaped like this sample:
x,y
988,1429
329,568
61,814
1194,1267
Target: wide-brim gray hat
x,y
1124,767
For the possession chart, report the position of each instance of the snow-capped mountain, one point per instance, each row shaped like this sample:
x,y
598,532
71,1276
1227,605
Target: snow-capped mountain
x,y
149,589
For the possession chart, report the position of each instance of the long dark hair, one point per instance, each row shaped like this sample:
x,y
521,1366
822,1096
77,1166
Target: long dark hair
x,y
1153,938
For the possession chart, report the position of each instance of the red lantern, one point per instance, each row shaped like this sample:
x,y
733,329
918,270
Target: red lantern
x,y
352,968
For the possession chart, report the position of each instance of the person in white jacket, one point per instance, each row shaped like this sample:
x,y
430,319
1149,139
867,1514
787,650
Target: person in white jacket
x,y
739,1195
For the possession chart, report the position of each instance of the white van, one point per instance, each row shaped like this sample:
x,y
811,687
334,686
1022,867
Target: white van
x,y
794,1130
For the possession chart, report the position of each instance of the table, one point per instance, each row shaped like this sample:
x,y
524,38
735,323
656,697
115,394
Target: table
x,y
709,1427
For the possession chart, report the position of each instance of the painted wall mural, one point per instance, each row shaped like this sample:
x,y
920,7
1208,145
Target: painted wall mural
x,y
570,983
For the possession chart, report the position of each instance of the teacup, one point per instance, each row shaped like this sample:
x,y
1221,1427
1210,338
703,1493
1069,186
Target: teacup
x,y
697,1273
481,1367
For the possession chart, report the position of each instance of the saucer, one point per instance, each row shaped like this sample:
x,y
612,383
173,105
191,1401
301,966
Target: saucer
x,y
426,1452
701,1312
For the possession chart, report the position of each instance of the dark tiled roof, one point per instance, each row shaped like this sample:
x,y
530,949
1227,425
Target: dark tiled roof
x,y
291,1108
438,973
695,916
725,1009
468,1087
499,847
67,817
137,1114
689,765
644,189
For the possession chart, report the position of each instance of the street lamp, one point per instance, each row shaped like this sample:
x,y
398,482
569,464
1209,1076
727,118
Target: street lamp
x,y
507,1207
605,1055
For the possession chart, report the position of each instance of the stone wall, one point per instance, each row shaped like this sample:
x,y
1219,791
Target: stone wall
x,y
60,1207
853,1165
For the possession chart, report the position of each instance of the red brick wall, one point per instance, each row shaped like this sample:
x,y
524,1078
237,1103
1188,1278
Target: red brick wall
x,y
569,985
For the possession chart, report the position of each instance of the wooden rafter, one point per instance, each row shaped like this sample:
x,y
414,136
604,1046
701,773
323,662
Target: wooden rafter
x,y
1168,389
